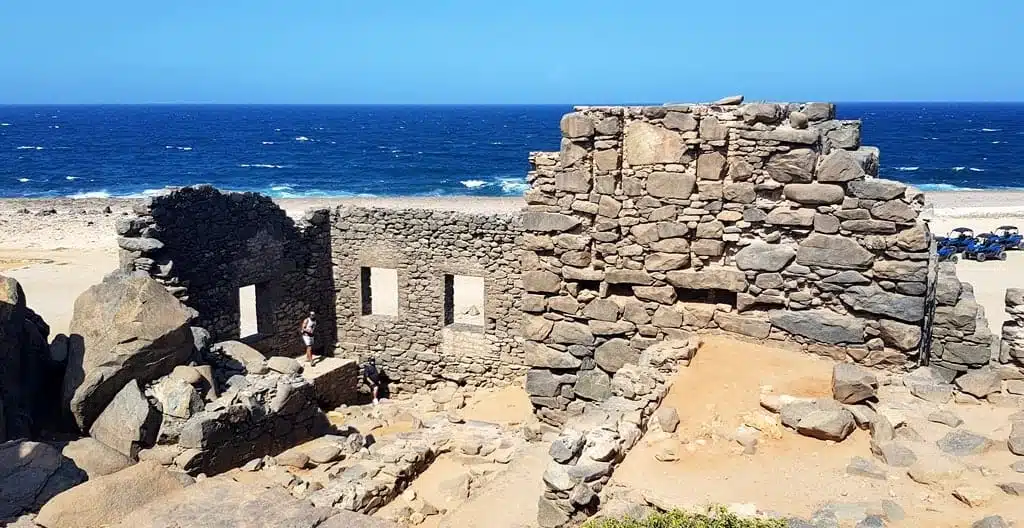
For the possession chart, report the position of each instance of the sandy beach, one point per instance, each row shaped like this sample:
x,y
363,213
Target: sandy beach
x,y
57,248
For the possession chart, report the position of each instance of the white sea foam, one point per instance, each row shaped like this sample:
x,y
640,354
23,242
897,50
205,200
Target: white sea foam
x,y
473,184
71,178
54,126
514,185
281,188
91,194
268,142
943,187
260,166
991,130
958,169
996,142
5,124
302,138
185,148
24,180
907,169
157,192
975,169
29,147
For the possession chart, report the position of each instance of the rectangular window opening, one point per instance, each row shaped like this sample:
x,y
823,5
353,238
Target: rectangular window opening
x,y
463,300
379,291
248,318
710,296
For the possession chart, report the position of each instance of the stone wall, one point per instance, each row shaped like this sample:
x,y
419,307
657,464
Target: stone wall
x,y
204,245
418,347
760,220
961,339
260,415
1011,351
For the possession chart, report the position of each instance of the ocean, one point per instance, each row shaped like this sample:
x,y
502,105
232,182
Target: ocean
x,y
301,151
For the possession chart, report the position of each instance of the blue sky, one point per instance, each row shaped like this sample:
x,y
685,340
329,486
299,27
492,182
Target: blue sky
x,y
524,51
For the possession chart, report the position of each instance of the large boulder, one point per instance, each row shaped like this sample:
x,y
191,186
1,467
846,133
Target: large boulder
x,y
31,473
109,499
827,424
224,502
130,328
128,423
26,366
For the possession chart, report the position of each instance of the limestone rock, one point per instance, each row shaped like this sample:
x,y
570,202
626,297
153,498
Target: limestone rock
x,y
764,257
128,423
960,442
945,418
751,326
32,473
814,193
833,251
893,453
900,335
615,353
1016,440
935,470
538,355
797,165
852,383
785,216
576,125
824,326
710,166
980,383
108,499
95,458
284,365
840,166
894,211
711,277
670,185
668,419
548,222
876,189
647,144
823,424
541,282
131,328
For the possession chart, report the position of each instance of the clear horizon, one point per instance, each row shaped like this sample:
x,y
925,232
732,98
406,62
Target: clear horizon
x,y
460,52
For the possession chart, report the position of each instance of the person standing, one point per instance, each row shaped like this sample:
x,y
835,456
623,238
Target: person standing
x,y
307,329
372,377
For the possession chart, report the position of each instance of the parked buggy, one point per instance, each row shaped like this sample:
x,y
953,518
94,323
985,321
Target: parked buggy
x,y
985,246
1009,237
958,239
947,254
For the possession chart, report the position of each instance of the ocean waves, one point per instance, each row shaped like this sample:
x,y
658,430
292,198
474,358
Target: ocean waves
x,y
507,185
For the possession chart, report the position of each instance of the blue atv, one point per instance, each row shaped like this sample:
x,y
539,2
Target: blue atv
x,y
946,253
1009,237
959,239
985,247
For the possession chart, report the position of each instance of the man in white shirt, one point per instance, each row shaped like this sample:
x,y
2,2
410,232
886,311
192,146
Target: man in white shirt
x,y
307,329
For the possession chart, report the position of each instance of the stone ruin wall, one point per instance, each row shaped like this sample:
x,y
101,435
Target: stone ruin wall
x,y
416,348
204,245
761,220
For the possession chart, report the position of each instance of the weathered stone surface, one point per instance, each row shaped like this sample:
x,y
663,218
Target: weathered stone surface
x,y
646,144
974,496
877,189
131,328
764,257
708,248
32,473
796,165
666,261
1015,442
935,470
567,446
548,222
901,270
840,166
863,467
893,454
739,192
961,442
853,383
225,502
711,277
980,383
823,424
95,458
542,383
541,282
538,355
916,238
615,353
670,185
824,326
790,217
744,325
577,181
128,423
624,276
602,310
668,419
875,300
568,333
576,125
814,193
549,515
900,335
710,166
108,499
833,251
593,385
894,211
681,121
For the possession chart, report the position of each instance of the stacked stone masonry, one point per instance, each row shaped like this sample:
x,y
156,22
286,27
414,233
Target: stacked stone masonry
x,y
961,339
1011,350
760,220
419,346
204,245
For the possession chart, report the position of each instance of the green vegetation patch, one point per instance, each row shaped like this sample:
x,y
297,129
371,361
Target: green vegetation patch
x,y
718,517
